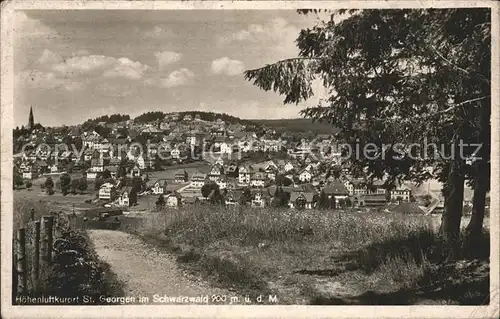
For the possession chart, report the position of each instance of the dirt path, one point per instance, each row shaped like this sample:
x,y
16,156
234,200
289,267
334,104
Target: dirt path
x,y
145,270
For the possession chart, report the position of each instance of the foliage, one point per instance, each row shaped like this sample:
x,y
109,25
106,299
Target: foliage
x,y
137,184
83,185
149,117
97,183
132,197
49,185
75,186
17,180
160,202
397,77
280,198
65,181
282,180
212,117
106,174
212,192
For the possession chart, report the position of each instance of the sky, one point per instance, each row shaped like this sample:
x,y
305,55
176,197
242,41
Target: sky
x,y
74,65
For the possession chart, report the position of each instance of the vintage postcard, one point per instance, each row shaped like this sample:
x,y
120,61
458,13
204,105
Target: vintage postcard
x,y
250,159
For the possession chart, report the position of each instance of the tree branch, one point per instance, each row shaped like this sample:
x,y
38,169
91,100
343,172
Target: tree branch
x,y
288,60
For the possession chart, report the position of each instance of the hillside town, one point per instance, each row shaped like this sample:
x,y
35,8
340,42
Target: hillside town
x,y
183,160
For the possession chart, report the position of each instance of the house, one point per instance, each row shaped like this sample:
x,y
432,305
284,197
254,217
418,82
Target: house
x,y
260,199
226,148
87,155
105,191
220,161
372,200
301,200
400,194
54,168
198,180
104,145
191,200
181,176
135,171
173,200
271,171
140,162
123,197
215,173
258,179
97,165
175,153
305,175
232,170
222,182
197,117
244,173
158,187
187,118
336,189
91,175
289,166
30,173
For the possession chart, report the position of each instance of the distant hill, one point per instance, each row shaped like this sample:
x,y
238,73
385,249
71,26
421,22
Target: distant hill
x,y
212,117
298,125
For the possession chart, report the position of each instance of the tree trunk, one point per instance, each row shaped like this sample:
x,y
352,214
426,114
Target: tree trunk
x,y
481,187
453,204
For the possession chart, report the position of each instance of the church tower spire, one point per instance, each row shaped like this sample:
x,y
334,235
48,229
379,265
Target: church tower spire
x,y
31,120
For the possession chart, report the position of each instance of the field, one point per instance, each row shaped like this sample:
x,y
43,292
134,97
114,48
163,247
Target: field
x,y
317,257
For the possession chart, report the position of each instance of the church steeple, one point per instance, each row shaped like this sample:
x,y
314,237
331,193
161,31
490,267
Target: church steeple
x,y
31,120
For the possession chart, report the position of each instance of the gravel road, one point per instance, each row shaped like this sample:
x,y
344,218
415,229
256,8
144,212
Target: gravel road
x,y
146,271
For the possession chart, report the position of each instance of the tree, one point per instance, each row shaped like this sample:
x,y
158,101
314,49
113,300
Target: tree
x,y
397,77
97,183
137,184
280,198
106,174
157,164
83,185
132,197
212,192
122,168
65,181
49,185
75,186
348,202
160,202
18,180
245,197
282,180
323,201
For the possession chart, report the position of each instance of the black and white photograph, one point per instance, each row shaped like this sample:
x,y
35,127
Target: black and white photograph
x,y
250,156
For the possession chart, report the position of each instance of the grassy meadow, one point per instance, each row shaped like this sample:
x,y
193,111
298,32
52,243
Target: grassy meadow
x,y
305,256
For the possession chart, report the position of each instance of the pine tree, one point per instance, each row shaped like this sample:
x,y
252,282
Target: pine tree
x,y
397,77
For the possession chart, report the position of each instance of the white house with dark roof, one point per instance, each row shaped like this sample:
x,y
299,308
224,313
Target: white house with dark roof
x,y
244,173
216,171
305,175
198,180
303,200
258,179
158,187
